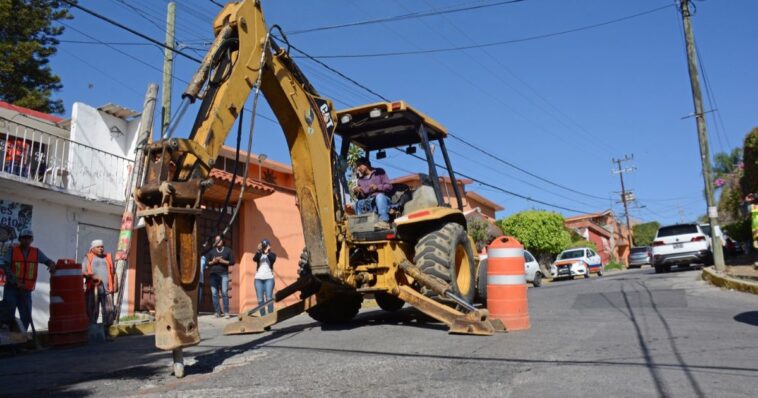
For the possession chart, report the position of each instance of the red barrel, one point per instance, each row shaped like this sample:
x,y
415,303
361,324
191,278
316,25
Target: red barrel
x,y
68,323
506,283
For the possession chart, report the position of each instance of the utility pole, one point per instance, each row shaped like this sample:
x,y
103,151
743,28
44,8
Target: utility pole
x,y
705,157
168,66
624,197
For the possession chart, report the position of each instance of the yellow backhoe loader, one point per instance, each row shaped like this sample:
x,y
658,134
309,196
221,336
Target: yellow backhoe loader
x,y
424,259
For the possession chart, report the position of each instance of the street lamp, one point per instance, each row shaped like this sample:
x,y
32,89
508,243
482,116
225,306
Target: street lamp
x,y
261,158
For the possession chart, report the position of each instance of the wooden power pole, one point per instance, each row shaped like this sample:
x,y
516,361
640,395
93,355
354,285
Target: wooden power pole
x,y
624,198
168,66
705,157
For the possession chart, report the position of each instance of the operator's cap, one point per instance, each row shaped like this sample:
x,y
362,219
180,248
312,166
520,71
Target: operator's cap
x,y
265,242
26,232
363,160
96,243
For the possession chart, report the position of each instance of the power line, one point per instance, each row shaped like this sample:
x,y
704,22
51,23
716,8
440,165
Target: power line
x,y
130,30
449,133
403,17
492,44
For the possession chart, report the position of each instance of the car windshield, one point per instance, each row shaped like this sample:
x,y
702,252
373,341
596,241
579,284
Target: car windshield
x,y
677,230
706,229
636,250
571,254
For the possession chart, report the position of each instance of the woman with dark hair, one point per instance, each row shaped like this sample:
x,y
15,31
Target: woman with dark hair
x,y
264,275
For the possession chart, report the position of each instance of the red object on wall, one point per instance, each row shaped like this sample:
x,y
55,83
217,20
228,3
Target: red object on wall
x,y
68,323
506,283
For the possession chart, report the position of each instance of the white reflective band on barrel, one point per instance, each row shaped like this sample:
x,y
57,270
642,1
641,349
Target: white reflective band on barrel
x,y
56,299
506,279
68,272
505,253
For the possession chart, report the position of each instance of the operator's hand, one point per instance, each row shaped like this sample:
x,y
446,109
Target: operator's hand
x,y
357,189
373,188
51,268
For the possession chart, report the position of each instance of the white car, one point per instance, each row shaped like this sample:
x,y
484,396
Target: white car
x,y
680,245
580,261
533,273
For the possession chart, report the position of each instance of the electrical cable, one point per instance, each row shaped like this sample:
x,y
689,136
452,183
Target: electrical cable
x,y
130,30
396,18
491,44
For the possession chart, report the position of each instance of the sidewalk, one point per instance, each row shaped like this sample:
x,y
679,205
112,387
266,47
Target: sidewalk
x,y
741,274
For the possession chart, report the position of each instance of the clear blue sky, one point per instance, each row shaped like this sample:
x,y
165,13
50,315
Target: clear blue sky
x,y
560,107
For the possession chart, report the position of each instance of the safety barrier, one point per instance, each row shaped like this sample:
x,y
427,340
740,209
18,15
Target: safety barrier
x,y
506,283
68,323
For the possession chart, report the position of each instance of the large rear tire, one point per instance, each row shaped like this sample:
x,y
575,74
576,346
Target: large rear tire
x,y
336,309
388,302
446,255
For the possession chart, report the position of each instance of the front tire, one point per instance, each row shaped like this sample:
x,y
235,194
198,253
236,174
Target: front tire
x,y
537,282
337,308
388,302
446,255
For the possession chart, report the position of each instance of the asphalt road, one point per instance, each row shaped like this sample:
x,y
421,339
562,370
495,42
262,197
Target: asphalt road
x,y
632,333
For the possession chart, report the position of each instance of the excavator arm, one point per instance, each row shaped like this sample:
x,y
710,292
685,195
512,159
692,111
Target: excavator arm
x,y
241,59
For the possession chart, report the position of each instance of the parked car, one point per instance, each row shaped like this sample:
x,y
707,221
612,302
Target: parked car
x,y
680,245
729,245
533,273
581,261
640,256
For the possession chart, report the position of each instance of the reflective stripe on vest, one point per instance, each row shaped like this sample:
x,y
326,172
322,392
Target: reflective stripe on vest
x,y
109,266
25,267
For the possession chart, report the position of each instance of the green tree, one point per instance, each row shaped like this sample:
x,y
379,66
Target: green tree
x,y
541,232
27,41
645,233
726,163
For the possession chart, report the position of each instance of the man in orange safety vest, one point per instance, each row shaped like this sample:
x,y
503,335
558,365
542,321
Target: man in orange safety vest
x,y
100,283
20,265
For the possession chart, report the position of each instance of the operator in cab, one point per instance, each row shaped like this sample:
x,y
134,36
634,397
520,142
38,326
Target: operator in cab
x,y
372,190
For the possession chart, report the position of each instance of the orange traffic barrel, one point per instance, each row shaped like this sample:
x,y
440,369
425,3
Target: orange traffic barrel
x,y
68,323
506,283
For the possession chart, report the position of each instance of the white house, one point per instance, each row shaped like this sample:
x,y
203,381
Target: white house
x,y
66,180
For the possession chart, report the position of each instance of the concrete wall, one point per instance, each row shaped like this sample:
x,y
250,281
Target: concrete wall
x,y
100,161
56,229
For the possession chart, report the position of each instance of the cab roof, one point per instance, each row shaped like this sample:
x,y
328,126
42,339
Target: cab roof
x,y
393,124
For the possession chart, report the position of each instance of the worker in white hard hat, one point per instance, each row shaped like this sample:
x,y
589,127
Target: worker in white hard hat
x,y
21,272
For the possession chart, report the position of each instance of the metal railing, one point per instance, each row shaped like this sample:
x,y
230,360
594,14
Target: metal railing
x,y
37,157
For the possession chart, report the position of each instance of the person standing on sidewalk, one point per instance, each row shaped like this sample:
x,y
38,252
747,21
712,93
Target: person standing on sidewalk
x,y
100,284
20,265
219,259
264,275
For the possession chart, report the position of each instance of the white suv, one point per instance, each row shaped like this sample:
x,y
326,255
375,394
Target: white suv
x,y
680,245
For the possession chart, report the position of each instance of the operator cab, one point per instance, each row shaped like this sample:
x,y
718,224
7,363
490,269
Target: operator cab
x,y
390,128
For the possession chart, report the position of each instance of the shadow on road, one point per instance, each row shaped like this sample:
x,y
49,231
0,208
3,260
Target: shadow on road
x,y
750,318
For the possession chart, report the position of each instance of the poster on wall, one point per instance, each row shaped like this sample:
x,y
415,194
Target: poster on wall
x,y
14,217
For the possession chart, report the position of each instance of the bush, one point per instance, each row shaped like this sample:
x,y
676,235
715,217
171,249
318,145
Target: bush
x,y
749,181
614,265
740,230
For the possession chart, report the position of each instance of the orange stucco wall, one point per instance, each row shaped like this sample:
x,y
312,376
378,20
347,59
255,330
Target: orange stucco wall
x,y
276,218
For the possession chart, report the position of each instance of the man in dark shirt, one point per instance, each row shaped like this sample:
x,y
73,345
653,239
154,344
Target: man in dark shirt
x,y
372,190
218,261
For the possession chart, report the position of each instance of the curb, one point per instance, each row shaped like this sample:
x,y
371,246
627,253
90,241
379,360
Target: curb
x,y
710,275
135,329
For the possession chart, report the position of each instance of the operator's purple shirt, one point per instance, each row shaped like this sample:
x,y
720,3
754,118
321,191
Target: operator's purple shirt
x,y
377,177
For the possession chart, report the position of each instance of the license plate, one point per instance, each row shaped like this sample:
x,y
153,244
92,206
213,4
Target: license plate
x,y
678,245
